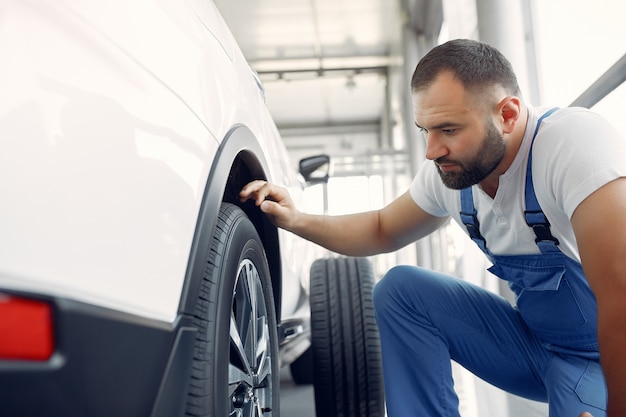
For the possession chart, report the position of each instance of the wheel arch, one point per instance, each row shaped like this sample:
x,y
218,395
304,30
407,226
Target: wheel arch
x,y
238,160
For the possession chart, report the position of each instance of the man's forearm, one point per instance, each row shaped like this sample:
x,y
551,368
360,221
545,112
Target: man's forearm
x,y
612,338
352,235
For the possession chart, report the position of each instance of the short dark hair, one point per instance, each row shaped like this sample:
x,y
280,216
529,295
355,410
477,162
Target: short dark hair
x,y
475,64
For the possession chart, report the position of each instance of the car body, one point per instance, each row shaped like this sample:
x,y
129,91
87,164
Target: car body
x,y
125,126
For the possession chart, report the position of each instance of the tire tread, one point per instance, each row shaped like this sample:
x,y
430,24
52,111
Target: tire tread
x,y
346,346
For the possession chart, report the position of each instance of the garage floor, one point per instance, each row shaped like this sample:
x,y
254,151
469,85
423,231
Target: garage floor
x,y
295,400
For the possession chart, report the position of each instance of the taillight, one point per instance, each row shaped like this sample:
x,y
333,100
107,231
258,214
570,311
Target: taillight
x,y
25,329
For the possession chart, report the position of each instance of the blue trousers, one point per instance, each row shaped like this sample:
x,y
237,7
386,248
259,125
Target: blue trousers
x,y
426,319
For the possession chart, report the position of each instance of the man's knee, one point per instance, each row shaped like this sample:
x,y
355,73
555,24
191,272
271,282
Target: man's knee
x,y
388,285
399,285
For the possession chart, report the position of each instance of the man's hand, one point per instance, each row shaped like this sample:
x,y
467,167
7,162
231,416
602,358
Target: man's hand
x,y
273,200
585,414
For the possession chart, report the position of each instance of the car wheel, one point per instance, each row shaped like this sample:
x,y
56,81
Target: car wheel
x,y
348,379
235,365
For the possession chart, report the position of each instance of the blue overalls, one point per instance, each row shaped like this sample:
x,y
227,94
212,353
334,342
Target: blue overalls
x,y
544,349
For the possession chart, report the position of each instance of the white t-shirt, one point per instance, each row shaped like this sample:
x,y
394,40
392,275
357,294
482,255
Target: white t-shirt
x,y
575,153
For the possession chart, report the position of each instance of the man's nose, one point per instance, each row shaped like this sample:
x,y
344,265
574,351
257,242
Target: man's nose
x,y
434,147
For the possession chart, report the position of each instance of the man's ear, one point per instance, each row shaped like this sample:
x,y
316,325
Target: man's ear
x,y
510,109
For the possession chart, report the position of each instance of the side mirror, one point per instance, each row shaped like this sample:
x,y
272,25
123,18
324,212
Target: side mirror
x,y
315,169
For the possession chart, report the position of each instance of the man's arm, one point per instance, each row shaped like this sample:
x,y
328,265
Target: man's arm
x,y
600,226
361,234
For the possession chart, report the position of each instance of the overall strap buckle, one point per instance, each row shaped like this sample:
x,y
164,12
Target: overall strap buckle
x,y
541,226
542,231
469,217
470,220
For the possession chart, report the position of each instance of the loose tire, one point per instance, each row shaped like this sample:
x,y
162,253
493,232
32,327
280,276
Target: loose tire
x,y
235,366
348,377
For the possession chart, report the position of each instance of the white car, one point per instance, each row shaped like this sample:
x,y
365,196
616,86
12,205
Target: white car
x,y
132,280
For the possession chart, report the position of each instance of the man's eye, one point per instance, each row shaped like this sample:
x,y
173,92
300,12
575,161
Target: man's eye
x,y
448,131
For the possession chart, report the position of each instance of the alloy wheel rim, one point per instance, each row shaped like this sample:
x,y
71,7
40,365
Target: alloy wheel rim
x,y
250,362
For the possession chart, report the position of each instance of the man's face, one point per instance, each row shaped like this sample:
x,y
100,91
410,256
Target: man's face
x,y
474,168
461,138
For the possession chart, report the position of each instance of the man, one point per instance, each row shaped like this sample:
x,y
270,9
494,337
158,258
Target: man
x,y
541,191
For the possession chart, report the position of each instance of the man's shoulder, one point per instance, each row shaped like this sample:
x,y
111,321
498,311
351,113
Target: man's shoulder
x,y
578,129
571,119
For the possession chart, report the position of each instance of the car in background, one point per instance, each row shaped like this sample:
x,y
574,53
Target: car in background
x,y
133,282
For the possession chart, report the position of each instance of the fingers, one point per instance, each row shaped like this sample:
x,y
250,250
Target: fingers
x,y
257,190
273,200
262,191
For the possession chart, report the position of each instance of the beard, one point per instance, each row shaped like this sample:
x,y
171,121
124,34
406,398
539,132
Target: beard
x,y
478,167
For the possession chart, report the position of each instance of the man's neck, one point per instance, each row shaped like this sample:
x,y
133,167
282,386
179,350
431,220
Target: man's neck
x,y
513,142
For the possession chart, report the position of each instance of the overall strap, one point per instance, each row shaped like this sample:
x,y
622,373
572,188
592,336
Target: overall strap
x,y
533,213
535,217
470,220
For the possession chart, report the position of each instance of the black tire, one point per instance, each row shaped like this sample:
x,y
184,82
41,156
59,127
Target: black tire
x,y
348,377
235,364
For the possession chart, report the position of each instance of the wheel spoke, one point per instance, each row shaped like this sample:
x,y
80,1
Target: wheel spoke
x,y
239,349
237,377
253,285
259,337
263,359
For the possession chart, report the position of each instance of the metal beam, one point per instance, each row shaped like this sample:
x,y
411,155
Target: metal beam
x,y
426,17
280,68
607,82
334,128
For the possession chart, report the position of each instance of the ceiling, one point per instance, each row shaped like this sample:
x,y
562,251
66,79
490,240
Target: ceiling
x,y
308,52
325,63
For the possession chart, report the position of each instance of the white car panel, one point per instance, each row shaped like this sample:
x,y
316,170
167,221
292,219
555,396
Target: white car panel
x,y
98,111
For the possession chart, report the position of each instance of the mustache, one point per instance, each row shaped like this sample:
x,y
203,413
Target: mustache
x,y
444,160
